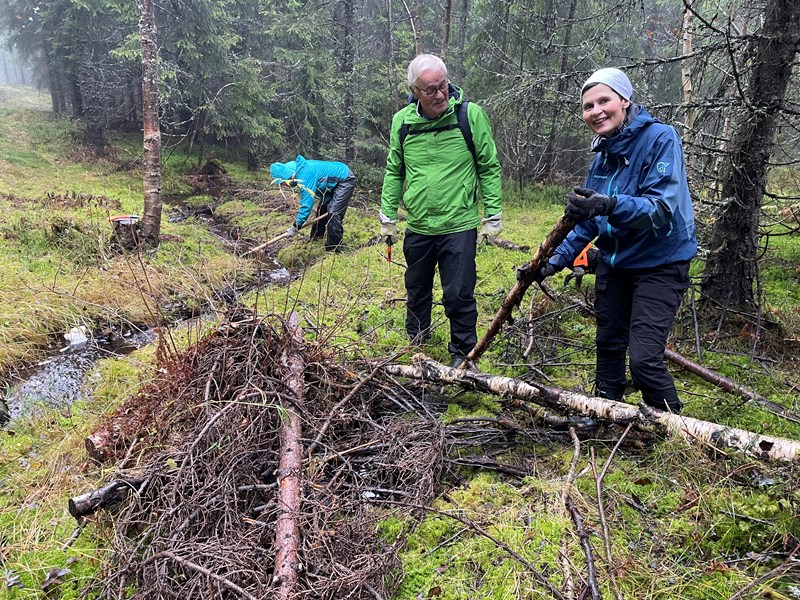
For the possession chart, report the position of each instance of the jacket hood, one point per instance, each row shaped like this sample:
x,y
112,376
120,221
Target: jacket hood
x,y
284,172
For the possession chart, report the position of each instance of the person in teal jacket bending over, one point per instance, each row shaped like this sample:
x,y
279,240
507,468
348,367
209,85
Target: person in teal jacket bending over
x,y
331,182
439,177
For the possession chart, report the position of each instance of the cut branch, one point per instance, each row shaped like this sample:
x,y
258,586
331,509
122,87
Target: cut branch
x,y
277,238
560,230
108,495
712,434
591,572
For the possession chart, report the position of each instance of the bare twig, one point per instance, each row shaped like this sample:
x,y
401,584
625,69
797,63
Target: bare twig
x,y
195,567
577,519
601,510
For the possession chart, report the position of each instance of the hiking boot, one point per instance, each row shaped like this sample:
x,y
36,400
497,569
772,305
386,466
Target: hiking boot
x,y
457,361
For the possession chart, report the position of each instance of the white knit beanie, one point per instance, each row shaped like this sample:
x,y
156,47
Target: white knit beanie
x,y
613,78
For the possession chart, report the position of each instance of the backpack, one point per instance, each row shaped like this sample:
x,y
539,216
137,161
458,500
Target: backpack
x,y
462,123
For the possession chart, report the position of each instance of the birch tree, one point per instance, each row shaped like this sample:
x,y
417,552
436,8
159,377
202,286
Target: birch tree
x,y
151,222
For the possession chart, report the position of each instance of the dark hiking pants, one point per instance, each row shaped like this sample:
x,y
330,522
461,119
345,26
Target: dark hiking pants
x,y
454,254
635,310
334,202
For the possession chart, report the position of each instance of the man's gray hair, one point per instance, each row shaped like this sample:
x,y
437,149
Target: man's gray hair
x,y
424,62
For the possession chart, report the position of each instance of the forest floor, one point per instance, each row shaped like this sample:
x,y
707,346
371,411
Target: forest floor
x,y
415,490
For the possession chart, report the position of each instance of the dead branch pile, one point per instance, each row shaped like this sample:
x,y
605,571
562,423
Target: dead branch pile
x,y
201,522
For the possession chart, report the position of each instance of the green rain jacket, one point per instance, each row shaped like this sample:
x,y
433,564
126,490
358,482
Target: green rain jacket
x,y
441,182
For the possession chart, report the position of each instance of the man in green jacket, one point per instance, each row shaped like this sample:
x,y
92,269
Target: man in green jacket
x,y
439,179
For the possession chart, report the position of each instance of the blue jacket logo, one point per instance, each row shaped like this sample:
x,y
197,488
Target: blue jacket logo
x,y
662,167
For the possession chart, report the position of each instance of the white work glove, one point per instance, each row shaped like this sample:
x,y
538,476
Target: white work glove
x,y
388,229
491,228
291,232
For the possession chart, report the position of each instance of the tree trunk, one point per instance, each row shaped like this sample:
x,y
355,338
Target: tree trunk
x,y
416,26
710,434
151,219
459,71
730,269
686,78
448,9
348,73
6,78
290,466
550,153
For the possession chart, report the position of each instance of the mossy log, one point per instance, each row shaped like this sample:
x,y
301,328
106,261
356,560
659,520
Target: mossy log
x,y
711,434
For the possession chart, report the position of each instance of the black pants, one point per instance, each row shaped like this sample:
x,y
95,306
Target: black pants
x,y
334,202
635,310
454,254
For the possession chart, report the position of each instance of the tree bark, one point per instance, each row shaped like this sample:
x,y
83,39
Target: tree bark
x,y
348,76
290,465
151,219
730,271
557,234
108,495
694,430
686,77
448,10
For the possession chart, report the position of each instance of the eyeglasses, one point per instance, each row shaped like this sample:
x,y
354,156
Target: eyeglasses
x,y
432,91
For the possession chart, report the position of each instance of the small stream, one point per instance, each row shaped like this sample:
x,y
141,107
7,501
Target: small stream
x,y
60,380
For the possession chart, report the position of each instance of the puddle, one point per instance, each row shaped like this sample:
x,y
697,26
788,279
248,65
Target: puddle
x,y
58,381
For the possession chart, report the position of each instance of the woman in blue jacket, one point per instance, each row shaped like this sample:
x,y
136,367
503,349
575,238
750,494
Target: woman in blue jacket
x,y
636,204
331,182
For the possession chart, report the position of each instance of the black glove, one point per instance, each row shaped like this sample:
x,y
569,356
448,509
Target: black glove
x,y
524,272
583,204
577,274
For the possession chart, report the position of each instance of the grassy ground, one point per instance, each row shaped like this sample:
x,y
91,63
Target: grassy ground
x,y
683,522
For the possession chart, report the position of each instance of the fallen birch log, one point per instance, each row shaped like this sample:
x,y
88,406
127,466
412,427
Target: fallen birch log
x,y
557,234
283,235
712,434
722,382
290,465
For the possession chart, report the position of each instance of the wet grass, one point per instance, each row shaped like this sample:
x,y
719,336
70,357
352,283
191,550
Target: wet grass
x,y
684,521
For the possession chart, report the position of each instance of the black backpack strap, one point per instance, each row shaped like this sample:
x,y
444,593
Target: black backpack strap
x,y
466,130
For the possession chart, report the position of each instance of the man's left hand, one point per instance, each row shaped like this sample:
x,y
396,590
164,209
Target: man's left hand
x,y
583,204
491,228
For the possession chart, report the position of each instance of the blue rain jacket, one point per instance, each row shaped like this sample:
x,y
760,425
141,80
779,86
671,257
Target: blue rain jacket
x,y
652,223
311,177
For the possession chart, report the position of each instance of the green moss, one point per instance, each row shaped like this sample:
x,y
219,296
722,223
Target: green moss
x,y
28,159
